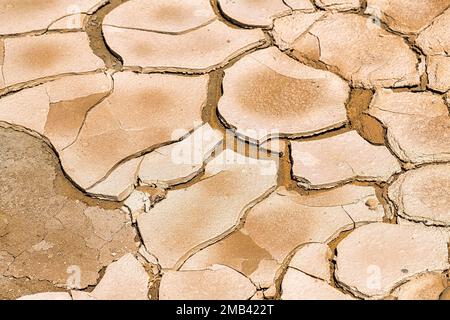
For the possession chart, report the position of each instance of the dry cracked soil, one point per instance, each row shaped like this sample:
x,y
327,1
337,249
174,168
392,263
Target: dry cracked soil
x,y
224,149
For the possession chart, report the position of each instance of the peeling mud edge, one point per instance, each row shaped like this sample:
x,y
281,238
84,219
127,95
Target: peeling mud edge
x,y
133,156
394,210
139,154
332,130
356,105
63,183
154,294
334,281
231,59
48,30
208,115
6,91
407,164
211,116
225,18
425,222
352,291
398,211
218,12
445,273
96,40
287,179
214,118
409,40
335,240
307,185
101,97
169,33
113,60
280,274
93,28
2,59
107,8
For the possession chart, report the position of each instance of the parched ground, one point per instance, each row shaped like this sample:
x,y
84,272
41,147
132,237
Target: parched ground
x,y
225,149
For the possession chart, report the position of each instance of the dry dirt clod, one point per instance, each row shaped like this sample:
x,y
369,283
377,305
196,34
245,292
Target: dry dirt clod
x,y
313,259
125,279
418,125
180,162
54,232
268,94
339,159
288,28
374,57
376,258
422,195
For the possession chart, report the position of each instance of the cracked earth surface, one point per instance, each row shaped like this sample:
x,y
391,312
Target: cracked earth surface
x,y
224,149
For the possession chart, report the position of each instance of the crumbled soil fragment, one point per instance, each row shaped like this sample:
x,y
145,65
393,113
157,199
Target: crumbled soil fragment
x,y
422,195
376,258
